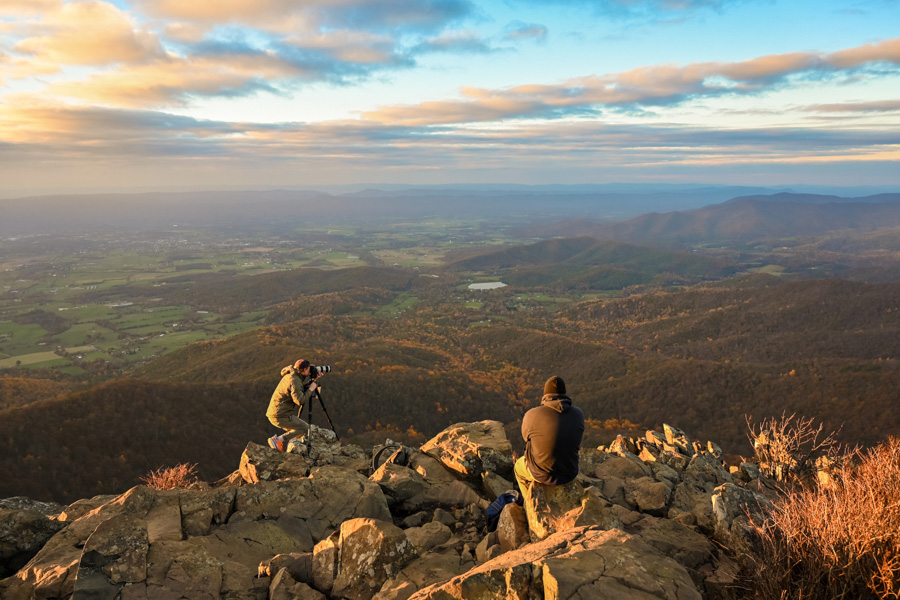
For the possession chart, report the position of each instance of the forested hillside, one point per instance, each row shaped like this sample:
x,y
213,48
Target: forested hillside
x,y
700,358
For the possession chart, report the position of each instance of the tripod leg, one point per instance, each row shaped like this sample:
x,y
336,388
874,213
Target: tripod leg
x,y
325,410
309,430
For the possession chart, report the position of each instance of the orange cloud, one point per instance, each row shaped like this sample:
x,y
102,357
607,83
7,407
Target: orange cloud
x,y
88,33
27,7
645,85
168,81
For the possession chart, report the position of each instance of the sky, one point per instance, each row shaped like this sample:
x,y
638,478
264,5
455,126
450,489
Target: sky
x,y
174,94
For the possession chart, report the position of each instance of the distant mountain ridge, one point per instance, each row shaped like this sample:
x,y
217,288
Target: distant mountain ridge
x,y
589,263
748,218
292,208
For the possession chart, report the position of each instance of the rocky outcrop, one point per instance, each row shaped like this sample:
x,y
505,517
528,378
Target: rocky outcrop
x,y
23,531
581,563
313,523
471,449
194,543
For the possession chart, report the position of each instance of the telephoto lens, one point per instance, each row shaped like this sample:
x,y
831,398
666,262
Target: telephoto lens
x,y
322,369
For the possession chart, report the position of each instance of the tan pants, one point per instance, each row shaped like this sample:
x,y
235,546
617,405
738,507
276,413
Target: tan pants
x,y
523,475
293,426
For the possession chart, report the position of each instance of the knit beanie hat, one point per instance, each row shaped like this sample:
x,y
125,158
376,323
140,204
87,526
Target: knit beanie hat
x,y
301,364
555,385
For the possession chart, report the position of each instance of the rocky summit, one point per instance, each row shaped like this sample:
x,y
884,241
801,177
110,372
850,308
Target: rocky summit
x,y
646,518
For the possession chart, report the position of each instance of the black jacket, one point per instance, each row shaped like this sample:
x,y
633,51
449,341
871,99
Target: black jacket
x,y
552,434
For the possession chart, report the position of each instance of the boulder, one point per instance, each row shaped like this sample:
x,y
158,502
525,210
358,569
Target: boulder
x,y
553,508
312,508
81,507
581,564
298,565
512,528
261,463
470,449
371,552
399,483
22,533
589,459
439,565
693,495
731,505
679,542
325,562
489,541
428,536
648,495
494,485
48,509
444,495
622,467
320,448
284,587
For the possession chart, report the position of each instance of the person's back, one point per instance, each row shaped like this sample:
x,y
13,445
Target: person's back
x,y
552,434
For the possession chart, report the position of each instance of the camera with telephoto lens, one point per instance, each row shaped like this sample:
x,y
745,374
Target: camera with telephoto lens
x,y
315,371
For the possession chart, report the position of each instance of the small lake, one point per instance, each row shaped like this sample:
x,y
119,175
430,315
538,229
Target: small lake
x,y
490,285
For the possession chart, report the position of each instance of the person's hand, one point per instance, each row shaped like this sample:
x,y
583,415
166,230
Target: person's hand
x,y
313,386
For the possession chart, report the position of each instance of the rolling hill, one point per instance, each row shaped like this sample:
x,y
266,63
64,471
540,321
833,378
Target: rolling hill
x,y
748,218
588,263
700,358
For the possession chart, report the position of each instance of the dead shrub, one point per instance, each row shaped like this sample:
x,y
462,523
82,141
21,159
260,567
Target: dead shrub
x,y
168,478
832,542
787,448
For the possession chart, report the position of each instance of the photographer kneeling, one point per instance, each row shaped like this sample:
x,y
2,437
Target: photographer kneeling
x,y
296,388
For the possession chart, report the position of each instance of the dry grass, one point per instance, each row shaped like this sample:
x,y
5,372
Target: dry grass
x,y
168,478
836,542
787,448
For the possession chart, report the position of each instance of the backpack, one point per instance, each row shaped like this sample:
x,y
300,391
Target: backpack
x,y
496,507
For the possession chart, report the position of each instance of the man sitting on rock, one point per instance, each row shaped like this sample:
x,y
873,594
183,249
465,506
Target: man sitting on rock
x,y
552,434
296,387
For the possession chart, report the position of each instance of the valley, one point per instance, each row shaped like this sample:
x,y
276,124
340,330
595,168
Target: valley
x,y
136,345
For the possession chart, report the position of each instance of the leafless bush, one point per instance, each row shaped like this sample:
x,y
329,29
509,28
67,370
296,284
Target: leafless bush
x,y
787,448
834,542
168,478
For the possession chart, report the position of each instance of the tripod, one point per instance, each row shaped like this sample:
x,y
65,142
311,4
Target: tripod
x,y
309,422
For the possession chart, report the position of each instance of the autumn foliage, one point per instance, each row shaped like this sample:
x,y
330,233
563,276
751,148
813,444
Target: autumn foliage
x,y
837,541
169,478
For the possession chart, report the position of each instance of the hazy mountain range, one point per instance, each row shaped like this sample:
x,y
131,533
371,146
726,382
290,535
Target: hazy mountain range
x,y
517,205
747,218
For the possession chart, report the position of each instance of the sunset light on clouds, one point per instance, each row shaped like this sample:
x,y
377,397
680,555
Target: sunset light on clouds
x,y
165,93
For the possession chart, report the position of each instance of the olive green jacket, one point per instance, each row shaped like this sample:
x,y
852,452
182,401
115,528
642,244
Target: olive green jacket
x,y
292,391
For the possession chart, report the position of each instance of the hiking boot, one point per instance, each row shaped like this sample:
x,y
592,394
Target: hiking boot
x,y
276,444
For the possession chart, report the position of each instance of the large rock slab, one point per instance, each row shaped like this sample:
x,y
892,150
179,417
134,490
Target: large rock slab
x,y
22,533
399,483
261,463
371,552
554,508
580,564
471,449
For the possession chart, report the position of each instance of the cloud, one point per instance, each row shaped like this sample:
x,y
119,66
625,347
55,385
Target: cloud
x,y
27,7
856,107
88,33
645,86
175,80
289,15
647,10
517,31
131,147
457,42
